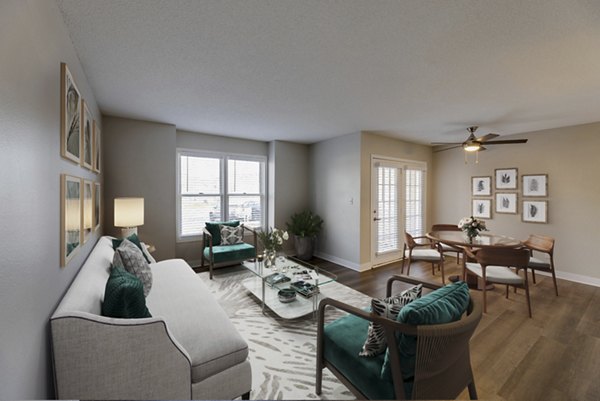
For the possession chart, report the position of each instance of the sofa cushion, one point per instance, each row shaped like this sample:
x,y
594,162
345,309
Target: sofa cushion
x,y
116,242
131,258
195,319
215,230
343,340
390,308
444,305
124,296
227,253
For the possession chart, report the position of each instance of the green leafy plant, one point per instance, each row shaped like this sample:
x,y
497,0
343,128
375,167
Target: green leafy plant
x,y
272,239
305,224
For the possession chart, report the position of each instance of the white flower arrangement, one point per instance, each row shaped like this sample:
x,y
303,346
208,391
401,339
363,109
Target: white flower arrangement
x,y
472,225
272,239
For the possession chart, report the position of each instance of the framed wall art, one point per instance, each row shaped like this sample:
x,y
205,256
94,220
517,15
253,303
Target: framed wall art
x,y
506,202
535,185
535,211
97,206
481,186
88,209
97,148
70,116
482,208
87,144
506,178
70,217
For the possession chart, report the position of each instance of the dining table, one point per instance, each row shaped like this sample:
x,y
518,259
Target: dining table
x,y
459,239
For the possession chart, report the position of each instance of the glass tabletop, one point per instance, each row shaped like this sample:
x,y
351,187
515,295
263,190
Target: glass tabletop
x,y
484,239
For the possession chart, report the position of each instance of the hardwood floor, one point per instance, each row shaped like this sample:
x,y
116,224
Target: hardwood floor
x,y
553,356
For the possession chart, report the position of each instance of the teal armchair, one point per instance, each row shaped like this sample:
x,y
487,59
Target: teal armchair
x,y
423,361
214,252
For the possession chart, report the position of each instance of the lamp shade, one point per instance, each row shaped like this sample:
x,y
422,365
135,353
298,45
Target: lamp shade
x,y
129,212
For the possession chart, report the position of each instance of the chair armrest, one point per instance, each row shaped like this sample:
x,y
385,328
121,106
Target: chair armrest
x,y
408,280
206,235
254,234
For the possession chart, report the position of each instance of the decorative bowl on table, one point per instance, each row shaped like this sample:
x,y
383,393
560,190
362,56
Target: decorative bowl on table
x,y
286,295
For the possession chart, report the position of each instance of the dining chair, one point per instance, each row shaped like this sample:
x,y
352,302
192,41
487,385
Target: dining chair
x,y
493,266
543,244
428,251
445,247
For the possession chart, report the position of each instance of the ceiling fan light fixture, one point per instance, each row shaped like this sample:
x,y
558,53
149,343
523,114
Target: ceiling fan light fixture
x,y
471,146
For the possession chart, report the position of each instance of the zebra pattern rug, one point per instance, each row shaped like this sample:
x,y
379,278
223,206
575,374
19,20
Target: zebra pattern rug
x,y
281,352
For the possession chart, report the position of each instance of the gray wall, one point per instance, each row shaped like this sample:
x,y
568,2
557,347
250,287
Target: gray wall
x,y
335,179
140,161
570,158
33,43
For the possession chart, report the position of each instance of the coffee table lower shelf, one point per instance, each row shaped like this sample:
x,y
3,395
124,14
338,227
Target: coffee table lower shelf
x,y
301,306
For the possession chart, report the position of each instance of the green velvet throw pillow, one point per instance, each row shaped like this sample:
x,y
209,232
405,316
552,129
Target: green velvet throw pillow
x,y
444,305
133,238
215,230
124,296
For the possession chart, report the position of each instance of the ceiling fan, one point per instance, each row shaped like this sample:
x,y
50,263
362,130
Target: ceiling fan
x,y
473,144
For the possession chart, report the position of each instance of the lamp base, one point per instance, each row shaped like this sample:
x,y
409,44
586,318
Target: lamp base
x,y
127,231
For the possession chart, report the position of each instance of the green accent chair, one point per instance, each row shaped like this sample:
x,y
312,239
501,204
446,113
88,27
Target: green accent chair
x,y
213,252
424,360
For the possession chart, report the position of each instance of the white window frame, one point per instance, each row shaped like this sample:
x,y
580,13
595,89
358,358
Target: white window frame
x,y
223,194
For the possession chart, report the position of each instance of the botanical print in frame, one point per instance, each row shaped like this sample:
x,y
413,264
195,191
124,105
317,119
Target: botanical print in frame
x,y
70,116
97,206
481,186
506,202
535,185
70,217
87,144
482,208
535,211
506,178
97,148
88,209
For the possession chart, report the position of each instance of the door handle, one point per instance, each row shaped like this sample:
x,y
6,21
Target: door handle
x,y
376,219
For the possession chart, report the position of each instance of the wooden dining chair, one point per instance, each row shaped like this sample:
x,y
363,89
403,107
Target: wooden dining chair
x,y
543,244
445,247
427,251
493,266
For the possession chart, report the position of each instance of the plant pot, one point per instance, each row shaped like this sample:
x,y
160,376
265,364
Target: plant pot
x,y
305,247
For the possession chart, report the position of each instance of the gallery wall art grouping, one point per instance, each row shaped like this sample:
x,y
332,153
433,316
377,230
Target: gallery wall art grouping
x,y
506,196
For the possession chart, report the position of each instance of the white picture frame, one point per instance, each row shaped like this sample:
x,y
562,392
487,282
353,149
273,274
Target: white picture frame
x,y
506,178
535,211
506,202
535,185
481,186
482,208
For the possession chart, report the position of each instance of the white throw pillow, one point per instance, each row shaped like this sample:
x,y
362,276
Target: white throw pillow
x,y
231,235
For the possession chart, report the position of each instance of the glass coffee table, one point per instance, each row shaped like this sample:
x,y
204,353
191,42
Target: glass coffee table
x,y
288,272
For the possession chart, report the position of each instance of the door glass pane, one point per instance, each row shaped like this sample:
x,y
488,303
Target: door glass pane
x,y
387,209
414,219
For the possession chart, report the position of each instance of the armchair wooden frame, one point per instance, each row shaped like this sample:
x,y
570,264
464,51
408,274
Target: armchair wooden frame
x,y
448,248
410,244
208,239
544,244
443,365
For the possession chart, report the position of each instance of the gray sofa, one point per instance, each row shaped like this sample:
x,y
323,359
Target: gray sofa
x,y
188,349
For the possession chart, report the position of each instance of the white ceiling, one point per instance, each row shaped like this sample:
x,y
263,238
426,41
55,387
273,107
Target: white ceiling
x,y
306,71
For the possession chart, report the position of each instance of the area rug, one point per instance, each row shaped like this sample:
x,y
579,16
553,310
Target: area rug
x,y
281,352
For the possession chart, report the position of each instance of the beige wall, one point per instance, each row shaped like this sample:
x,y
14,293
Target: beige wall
x,y
140,161
335,196
33,43
570,158
375,144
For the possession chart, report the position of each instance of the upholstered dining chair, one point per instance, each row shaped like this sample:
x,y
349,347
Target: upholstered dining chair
x,y
426,360
427,251
493,266
445,247
543,244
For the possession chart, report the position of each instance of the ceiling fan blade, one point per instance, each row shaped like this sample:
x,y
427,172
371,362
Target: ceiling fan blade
x,y
486,137
507,141
445,143
451,147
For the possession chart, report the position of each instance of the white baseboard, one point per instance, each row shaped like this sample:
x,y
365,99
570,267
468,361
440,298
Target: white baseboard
x,y
576,278
343,262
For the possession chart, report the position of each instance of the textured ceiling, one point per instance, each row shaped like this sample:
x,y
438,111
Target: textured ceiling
x,y
306,71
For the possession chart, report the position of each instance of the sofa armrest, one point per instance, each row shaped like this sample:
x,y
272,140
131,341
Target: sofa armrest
x,y
96,357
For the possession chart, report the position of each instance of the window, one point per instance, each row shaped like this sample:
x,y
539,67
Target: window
x,y
218,187
414,216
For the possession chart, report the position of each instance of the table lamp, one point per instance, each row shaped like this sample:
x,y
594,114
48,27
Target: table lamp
x,y
129,214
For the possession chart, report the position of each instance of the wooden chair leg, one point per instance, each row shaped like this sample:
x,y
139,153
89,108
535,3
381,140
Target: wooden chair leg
x,y
527,295
533,275
472,390
553,275
506,291
408,267
432,269
483,291
210,269
443,274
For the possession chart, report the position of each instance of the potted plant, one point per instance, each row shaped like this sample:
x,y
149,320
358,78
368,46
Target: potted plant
x,y
305,226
